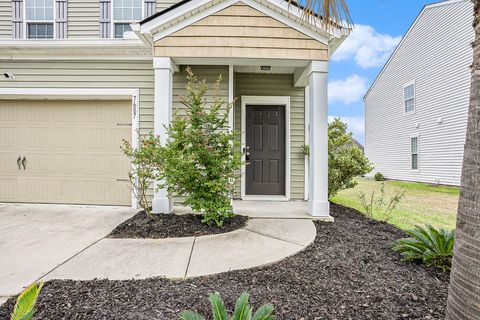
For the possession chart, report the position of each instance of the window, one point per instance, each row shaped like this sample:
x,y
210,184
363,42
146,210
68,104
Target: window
x,y
414,153
120,28
409,97
39,19
124,12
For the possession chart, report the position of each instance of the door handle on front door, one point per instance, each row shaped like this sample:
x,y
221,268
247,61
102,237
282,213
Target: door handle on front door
x,y
18,162
24,160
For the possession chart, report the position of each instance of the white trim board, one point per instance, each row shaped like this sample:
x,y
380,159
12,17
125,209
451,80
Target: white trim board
x,y
83,94
266,100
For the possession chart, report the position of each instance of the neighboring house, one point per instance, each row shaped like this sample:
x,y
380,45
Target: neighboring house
x,y
76,81
359,145
416,110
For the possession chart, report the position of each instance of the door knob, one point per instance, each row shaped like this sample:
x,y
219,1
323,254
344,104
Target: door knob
x,y
18,162
24,160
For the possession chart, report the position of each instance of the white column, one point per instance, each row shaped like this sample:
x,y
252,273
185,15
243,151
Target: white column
x,y
318,204
164,69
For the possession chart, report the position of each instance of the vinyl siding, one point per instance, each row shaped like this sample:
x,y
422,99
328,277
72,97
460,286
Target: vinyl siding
x,y
278,85
437,55
83,19
5,19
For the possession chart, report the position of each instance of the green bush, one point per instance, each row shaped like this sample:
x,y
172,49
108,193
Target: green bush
x,y
242,311
371,204
431,246
345,160
24,308
201,157
144,167
379,176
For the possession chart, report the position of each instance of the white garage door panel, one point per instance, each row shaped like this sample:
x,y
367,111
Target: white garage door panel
x,y
72,151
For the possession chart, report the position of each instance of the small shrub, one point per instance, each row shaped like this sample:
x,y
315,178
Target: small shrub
x,y
345,160
431,246
201,157
242,311
24,308
143,170
386,208
305,149
379,176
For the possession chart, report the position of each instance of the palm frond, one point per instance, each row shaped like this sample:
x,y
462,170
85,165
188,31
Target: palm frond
x,y
330,13
265,312
218,308
190,315
242,309
24,308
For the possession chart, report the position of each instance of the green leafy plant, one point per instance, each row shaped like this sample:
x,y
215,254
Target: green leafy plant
x,y
243,311
379,176
429,245
24,308
305,149
385,208
201,157
345,160
144,167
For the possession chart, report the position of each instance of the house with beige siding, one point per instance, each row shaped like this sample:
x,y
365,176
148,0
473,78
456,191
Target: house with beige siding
x,y
416,110
78,76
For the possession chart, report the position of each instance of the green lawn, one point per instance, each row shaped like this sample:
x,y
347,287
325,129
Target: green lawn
x,y
423,203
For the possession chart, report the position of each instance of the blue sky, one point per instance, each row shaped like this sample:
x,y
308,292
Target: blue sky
x,y
379,26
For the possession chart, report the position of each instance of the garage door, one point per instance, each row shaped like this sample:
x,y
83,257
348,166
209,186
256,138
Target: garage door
x,y
59,151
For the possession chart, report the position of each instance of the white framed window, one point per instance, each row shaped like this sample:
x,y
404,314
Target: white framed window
x,y
39,19
414,153
124,12
409,97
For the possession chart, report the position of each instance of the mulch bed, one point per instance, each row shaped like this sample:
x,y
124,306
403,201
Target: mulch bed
x,y
349,272
172,225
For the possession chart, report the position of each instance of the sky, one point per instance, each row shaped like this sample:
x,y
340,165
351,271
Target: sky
x,y
379,27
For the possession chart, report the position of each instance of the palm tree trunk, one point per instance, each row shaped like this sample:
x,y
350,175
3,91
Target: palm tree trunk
x,y
464,291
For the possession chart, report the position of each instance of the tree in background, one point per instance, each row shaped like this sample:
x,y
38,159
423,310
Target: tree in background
x,y
345,160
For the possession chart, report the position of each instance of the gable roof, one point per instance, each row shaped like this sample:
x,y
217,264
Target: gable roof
x,y
426,7
185,12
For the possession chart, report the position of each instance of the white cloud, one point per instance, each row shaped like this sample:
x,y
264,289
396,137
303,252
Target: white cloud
x,y
348,90
356,125
367,47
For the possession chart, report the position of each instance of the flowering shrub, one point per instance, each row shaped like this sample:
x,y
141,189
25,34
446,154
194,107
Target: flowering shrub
x,y
201,156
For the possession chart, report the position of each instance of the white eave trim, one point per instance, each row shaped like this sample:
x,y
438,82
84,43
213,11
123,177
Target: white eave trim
x,y
57,43
426,7
196,10
70,93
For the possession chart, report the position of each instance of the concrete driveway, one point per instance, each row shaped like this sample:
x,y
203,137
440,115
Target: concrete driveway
x,y
37,238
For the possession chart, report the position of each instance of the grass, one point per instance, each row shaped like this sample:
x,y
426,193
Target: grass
x,y
423,203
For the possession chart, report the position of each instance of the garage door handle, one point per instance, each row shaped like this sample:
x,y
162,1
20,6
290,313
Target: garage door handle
x,y
24,160
18,162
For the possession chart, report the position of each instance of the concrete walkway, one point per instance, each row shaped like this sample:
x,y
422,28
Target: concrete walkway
x,y
69,242
261,242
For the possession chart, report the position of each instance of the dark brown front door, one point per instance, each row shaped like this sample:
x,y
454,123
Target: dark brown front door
x,y
265,147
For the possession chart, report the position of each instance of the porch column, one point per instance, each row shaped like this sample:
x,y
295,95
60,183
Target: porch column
x,y
318,204
162,114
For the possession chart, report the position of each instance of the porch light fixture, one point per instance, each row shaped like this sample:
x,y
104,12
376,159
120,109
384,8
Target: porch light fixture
x,y
265,68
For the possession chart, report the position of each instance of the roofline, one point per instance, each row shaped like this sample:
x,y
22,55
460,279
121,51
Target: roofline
x,y
425,7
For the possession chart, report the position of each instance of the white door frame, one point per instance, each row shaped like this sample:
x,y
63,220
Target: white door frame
x,y
83,94
266,100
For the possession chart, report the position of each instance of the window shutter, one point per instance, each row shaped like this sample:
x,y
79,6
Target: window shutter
x,y
17,19
105,18
149,8
61,19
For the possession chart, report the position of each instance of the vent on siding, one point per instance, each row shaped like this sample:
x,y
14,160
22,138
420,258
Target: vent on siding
x,y
105,18
149,8
61,18
17,19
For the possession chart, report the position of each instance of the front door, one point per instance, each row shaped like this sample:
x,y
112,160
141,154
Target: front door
x,y
265,150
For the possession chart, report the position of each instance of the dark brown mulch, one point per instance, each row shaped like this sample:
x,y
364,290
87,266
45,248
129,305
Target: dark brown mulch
x,y
172,225
349,272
